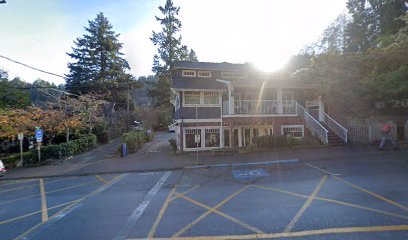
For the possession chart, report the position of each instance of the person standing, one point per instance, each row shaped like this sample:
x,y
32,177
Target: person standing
x,y
387,136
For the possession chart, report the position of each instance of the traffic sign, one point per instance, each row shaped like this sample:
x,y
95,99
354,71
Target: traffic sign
x,y
39,135
197,138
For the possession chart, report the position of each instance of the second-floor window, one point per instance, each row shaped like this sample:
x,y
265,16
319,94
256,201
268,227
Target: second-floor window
x,y
211,98
204,74
188,73
201,98
192,98
228,74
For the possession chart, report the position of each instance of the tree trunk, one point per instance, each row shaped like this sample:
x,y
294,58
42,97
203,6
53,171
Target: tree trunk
x,y
67,134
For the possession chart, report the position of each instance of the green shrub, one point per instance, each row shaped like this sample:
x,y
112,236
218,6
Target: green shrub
x,y
134,140
271,141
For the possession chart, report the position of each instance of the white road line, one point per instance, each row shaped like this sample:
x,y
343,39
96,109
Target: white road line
x,y
330,173
131,222
68,210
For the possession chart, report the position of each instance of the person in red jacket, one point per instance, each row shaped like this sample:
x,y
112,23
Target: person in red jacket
x,y
387,136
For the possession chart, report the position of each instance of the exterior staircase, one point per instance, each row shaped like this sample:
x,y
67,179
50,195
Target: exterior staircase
x,y
333,138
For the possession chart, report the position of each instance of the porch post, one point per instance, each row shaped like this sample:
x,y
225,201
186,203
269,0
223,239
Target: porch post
x,y
240,136
279,98
321,109
231,101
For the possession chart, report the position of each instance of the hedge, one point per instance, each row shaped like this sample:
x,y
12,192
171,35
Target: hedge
x,y
135,140
272,140
84,143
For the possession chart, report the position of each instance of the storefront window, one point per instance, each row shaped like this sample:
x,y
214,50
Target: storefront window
x,y
190,138
212,137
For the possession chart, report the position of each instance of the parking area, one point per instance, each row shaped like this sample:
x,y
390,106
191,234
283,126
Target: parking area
x,y
25,204
284,201
279,201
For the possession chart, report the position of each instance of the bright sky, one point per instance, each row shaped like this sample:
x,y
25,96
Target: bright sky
x,y
265,32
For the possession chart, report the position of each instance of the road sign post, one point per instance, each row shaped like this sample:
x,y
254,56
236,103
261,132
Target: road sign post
x,y
20,137
197,140
39,138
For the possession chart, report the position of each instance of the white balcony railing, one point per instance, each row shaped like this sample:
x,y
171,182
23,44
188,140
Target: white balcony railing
x,y
261,107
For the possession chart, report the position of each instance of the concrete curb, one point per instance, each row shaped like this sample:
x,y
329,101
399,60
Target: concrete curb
x,y
156,170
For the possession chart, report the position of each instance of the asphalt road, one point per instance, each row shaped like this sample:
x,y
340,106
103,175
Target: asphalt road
x,y
363,199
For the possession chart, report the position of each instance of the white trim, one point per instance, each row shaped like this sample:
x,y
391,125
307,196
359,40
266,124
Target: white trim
x,y
183,73
261,115
294,126
202,135
198,74
201,104
216,120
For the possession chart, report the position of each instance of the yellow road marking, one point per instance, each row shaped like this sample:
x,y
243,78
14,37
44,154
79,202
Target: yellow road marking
x,y
161,213
44,210
33,185
100,178
183,230
57,190
300,233
372,194
184,193
247,226
292,223
333,201
76,202
34,213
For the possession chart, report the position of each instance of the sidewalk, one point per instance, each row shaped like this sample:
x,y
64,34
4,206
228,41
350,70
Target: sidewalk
x,y
156,156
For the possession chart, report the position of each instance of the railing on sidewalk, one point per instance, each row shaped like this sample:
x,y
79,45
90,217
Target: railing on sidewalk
x,y
312,124
336,127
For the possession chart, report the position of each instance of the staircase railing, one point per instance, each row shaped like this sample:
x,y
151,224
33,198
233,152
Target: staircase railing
x,y
312,124
336,127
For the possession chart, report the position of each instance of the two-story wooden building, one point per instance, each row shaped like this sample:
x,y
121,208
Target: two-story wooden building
x,y
228,105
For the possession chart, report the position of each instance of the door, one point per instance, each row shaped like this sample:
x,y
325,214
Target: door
x,y
400,133
247,136
236,138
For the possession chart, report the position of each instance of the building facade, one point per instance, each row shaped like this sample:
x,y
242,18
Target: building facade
x,y
224,105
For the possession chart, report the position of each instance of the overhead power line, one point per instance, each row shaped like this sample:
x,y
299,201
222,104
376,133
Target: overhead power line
x,y
31,67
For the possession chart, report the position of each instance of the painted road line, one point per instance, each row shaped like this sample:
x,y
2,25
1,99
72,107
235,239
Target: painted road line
x,y
132,220
244,164
372,193
34,213
327,172
292,223
57,190
161,213
33,185
102,179
184,193
316,232
242,224
62,213
186,228
334,201
44,209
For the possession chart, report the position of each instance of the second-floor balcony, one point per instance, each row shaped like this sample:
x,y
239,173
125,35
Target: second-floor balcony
x,y
259,107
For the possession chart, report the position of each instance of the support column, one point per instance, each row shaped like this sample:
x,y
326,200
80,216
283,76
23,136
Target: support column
x,y
279,98
321,109
240,137
231,102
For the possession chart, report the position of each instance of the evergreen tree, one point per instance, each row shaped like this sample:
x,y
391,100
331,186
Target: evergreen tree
x,y
169,50
98,65
192,57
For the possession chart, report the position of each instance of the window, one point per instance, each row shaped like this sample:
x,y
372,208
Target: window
x,y
296,130
212,137
190,138
241,75
191,97
228,75
211,98
188,73
204,74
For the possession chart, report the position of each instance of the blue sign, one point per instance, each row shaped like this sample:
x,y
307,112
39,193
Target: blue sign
x,y
39,135
249,173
